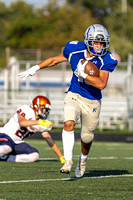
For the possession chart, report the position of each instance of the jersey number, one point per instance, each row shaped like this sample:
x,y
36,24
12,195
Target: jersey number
x,y
21,113
112,57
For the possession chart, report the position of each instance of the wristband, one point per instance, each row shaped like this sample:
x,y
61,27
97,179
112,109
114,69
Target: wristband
x,y
83,75
37,67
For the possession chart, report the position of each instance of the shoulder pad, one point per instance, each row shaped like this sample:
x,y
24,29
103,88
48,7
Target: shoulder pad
x,y
73,46
109,61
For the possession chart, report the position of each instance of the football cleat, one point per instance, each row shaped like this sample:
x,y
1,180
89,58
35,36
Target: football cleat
x,y
66,167
81,167
62,159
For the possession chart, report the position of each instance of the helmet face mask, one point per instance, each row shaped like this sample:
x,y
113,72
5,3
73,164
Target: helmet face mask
x,y
42,106
97,33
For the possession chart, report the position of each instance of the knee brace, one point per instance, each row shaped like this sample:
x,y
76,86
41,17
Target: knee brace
x,y
87,137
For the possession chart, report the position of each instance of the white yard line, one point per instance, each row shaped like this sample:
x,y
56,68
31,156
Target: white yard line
x,y
67,179
93,158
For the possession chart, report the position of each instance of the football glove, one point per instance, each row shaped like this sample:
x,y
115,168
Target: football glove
x,y
31,71
81,68
45,123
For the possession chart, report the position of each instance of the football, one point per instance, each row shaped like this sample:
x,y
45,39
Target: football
x,y
91,69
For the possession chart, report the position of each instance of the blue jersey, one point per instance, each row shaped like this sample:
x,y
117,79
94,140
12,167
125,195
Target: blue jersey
x,y
76,50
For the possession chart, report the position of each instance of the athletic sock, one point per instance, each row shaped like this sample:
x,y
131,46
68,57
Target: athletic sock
x,y
84,157
68,144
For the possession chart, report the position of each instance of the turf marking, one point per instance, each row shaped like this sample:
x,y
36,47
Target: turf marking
x,y
67,179
93,158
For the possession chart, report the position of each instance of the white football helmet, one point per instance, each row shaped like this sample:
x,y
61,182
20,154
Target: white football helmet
x,y
97,33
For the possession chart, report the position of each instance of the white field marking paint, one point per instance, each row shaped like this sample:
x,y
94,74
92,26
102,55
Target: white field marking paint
x,y
129,158
108,144
113,144
90,158
109,158
68,179
52,159
125,149
103,158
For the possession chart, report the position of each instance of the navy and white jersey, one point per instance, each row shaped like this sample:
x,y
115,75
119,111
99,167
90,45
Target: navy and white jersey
x,y
76,50
18,133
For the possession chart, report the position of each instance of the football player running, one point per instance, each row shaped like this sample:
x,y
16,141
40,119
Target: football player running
x,y
83,99
25,122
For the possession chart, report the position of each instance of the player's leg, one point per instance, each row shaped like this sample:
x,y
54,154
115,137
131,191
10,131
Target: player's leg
x,y
81,166
89,121
5,149
53,146
6,146
68,144
71,114
23,152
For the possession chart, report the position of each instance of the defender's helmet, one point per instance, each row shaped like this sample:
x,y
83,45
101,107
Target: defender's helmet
x,y
39,103
97,33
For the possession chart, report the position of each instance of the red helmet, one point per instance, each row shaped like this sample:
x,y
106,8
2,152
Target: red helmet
x,y
40,102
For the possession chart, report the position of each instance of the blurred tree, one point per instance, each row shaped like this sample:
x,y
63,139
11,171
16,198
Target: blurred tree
x,y
50,27
23,26
3,22
65,24
117,16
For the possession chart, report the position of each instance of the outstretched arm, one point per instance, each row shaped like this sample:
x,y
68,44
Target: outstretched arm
x,y
23,122
49,62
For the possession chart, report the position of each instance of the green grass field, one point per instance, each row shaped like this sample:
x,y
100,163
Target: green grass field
x,y
109,175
